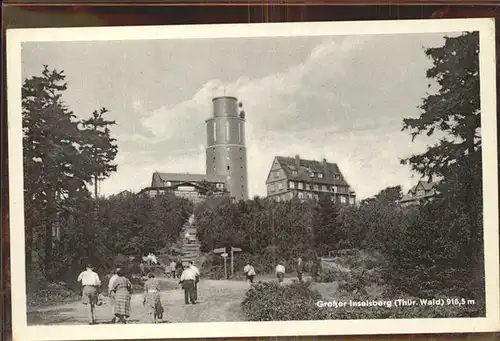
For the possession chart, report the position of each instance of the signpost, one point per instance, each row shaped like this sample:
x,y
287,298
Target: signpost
x,y
224,255
222,251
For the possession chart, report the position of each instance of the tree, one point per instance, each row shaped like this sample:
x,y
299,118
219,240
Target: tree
x,y
327,234
53,165
390,195
454,111
99,147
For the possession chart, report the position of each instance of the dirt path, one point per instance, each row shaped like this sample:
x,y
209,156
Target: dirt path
x,y
219,301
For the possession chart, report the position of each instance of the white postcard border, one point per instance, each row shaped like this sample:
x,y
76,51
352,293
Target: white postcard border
x,y
21,331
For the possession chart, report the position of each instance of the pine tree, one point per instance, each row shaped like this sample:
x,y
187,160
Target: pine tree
x,y
99,147
454,112
53,169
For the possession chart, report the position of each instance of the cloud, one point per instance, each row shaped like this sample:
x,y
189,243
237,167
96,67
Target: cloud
x,y
344,102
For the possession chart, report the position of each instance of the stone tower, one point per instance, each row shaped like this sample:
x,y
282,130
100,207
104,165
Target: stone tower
x,y
226,152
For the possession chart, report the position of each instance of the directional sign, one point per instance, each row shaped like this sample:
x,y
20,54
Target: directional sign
x,y
220,250
236,249
224,255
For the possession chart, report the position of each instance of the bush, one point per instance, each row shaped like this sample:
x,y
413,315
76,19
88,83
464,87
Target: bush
x,y
270,301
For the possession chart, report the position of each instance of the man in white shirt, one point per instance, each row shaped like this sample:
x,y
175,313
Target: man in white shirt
x,y
249,272
280,272
187,280
196,281
90,285
111,293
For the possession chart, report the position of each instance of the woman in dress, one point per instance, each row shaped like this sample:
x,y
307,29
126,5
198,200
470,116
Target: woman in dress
x,y
122,289
152,301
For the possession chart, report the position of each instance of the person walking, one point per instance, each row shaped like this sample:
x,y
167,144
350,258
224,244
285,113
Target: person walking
x,y
90,287
152,298
122,289
179,268
300,269
280,272
112,294
187,281
196,280
173,267
249,272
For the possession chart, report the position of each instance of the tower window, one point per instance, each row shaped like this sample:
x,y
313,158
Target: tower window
x,y
239,132
228,167
215,131
227,131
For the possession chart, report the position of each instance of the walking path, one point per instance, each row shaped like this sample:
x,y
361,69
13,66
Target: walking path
x,y
219,301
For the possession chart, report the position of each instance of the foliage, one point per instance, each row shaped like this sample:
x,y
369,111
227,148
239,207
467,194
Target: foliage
x,y
270,301
100,148
453,112
65,226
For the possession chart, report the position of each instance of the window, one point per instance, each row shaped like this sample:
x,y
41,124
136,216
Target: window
x,y
168,183
292,184
227,157
342,199
316,196
290,195
294,172
227,131
324,188
300,185
215,132
308,187
335,189
280,185
420,192
239,132
301,195
316,187
271,187
320,175
228,167
276,174
352,200
278,198
337,177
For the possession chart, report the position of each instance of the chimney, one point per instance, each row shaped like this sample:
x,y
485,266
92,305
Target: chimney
x,y
297,162
325,167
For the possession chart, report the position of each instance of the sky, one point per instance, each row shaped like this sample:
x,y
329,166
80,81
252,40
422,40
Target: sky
x,y
336,97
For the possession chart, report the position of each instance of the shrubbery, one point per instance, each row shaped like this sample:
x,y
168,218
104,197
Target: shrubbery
x,y
270,301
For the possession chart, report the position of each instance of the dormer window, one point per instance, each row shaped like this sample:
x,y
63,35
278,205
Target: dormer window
x,y
168,183
337,177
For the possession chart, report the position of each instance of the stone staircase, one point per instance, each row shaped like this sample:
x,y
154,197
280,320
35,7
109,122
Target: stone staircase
x,y
190,250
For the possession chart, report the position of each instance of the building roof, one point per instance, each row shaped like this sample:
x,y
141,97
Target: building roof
x,y
188,177
429,188
306,167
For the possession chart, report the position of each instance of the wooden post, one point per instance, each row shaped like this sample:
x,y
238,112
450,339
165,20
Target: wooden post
x,y
232,261
225,267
